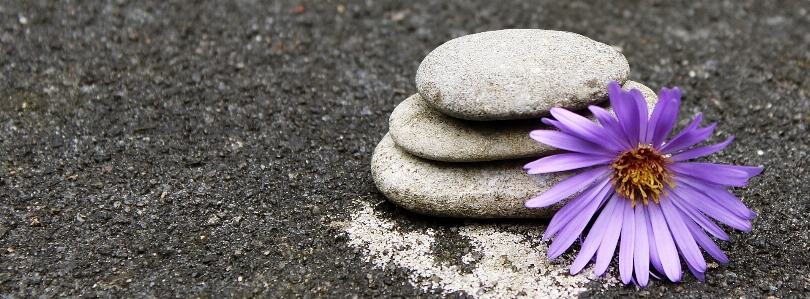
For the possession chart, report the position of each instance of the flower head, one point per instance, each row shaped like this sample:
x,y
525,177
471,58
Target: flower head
x,y
640,188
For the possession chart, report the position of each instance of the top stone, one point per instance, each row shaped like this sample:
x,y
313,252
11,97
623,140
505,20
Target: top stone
x,y
518,73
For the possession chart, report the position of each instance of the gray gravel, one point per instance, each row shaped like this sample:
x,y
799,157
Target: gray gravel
x,y
221,148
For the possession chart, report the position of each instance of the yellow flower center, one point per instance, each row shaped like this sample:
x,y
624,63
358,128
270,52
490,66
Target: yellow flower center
x,y
641,173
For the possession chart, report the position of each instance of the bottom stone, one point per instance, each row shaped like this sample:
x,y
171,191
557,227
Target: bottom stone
x,y
496,189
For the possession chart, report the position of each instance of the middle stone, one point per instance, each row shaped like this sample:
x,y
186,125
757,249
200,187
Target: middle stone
x,y
425,132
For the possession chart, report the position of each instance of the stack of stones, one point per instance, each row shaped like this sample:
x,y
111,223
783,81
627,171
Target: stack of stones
x,y
457,148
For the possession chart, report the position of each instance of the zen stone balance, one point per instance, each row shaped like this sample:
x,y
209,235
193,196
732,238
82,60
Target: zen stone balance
x,y
457,148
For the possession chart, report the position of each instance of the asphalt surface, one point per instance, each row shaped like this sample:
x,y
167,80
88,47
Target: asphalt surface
x,y
216,148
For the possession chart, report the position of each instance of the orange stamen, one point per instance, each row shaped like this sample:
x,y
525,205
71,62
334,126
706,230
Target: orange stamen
x,y
641,173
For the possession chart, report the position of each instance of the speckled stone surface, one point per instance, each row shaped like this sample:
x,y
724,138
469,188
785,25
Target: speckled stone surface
x,y
495,189
518,74
425,132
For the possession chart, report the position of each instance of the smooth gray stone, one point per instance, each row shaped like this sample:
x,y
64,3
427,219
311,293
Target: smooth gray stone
x,y
518,74
497,189
425,132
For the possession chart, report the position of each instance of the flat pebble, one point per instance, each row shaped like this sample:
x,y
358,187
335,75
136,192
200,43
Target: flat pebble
x,y
518,74
497,189
425,132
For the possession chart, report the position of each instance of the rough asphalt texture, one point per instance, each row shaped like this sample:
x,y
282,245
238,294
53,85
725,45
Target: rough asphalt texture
x,y
209,148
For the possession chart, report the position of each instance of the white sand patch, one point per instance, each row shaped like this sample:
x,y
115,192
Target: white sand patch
x,y
508,266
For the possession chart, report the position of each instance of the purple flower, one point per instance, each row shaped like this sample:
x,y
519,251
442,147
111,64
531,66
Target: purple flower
x,y
640,188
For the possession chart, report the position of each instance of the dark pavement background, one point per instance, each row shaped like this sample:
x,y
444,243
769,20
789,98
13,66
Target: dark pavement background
x,y
203,148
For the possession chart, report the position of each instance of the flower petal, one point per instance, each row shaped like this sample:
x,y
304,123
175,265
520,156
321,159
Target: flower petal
x,y
683,237
566,188
701,151
697,216
628,241
706,243
667,252
689,129
573,228
641,247
582,127
595,236
663,117
720,174
751,170
710,207
655,117
626,112
570,143
654,259
700,275
726,199
611,237
564,216
687,139
611,125
722,196
562,162
641,109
